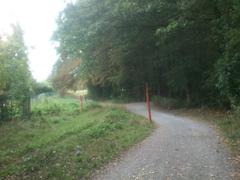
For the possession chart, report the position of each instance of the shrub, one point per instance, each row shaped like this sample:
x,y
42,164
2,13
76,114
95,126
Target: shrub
x,y
91,105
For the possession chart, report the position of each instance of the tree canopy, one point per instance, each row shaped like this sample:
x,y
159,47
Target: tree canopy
x,y
185,49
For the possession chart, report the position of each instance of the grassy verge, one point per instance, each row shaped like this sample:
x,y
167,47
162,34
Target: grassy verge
x,y
60,142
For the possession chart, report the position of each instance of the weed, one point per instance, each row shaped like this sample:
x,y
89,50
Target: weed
x,y
62,142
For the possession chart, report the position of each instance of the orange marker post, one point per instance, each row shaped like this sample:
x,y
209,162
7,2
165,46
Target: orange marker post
x,y
148,104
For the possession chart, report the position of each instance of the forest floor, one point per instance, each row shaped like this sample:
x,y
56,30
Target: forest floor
x,y
179,148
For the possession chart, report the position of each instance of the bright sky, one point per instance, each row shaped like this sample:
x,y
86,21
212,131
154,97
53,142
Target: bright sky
x,y
37,19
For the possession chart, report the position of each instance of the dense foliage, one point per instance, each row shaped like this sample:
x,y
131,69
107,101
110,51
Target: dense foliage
x,y
39,88
184,49
64,75
15,78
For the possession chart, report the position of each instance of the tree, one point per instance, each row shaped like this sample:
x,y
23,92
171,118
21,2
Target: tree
x,y
15,76
184,49
228,66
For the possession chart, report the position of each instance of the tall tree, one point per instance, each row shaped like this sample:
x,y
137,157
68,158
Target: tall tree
x,y
15,75
186,49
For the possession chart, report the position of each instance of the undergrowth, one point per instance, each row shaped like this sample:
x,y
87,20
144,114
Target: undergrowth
x,y
62,142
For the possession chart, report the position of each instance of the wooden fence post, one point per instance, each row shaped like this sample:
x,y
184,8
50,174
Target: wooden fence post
x,y
81,102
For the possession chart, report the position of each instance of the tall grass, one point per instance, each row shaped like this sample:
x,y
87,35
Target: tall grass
x,y
62,142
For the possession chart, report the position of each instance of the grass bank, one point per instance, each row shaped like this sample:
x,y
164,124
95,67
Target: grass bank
x,y
61,142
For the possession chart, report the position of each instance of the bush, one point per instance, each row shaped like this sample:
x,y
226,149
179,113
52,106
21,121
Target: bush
x,y
113,120
55,106
91,105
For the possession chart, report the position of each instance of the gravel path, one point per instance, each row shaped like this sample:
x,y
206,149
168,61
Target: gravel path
x,y
179,148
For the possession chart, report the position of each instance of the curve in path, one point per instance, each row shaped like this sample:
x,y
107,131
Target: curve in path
x,y
179,149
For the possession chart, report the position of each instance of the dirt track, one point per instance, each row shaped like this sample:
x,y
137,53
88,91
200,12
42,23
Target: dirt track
x,y
179,149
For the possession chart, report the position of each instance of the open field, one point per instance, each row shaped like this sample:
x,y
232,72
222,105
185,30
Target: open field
x,y
61,142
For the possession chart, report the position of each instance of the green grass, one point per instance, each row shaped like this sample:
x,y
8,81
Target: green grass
x,y
62,142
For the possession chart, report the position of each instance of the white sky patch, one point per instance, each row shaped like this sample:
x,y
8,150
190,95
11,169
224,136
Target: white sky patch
x,y
37,19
